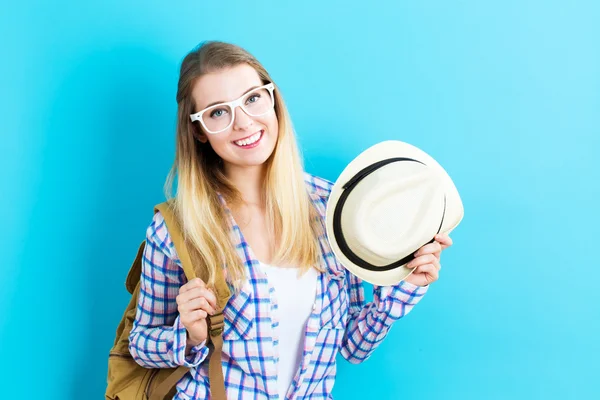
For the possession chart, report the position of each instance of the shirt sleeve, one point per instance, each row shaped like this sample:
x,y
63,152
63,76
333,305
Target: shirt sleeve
x,y
368,324
158,338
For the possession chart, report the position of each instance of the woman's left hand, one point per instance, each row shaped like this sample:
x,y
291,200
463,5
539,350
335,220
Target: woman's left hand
x,y
427,261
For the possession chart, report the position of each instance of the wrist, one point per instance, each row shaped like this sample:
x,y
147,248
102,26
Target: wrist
x,y
192,341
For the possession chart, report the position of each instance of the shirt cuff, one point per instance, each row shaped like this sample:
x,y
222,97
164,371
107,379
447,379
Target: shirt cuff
x,y
197,353
406,292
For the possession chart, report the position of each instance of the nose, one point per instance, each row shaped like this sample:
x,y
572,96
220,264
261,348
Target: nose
x,y
242,120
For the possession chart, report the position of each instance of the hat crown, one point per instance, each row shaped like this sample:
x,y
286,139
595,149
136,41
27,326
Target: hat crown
x,y
375,227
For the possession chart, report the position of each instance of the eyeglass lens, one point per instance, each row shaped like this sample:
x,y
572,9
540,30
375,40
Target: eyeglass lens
x,y
255,103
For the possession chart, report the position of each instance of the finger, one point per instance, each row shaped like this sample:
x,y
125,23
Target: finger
x,y
422,260
444,240
197,304
188,295
200,292
429,249
194,283
190,317
211,297
195,293
430,271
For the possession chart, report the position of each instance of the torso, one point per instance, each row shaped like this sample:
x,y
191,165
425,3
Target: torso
x,y
253,319
294,296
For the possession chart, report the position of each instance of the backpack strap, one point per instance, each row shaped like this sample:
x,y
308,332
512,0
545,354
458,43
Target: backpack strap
x,y
215,322
176,236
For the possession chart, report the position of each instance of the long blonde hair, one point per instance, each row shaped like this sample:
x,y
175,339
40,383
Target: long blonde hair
x,y
292,218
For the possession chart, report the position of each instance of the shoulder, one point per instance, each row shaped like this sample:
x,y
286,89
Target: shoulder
x,y
157,236
319,190
318,186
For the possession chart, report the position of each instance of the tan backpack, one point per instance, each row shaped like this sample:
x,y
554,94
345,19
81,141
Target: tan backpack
x,y
127,380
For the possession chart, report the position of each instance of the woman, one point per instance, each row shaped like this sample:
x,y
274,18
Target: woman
x,y
252,213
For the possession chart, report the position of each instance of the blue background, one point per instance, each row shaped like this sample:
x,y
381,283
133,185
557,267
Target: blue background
x,y
505,95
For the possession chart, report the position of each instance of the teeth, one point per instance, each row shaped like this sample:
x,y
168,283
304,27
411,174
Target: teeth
x,y
249,140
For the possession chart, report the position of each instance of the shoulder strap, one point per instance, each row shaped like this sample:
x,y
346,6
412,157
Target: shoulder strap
x,y
215,323
177,238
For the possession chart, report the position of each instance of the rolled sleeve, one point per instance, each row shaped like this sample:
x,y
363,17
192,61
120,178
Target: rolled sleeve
x,y
396,301
197,354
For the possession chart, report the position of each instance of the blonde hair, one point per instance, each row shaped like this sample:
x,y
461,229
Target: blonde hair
x,y
292,218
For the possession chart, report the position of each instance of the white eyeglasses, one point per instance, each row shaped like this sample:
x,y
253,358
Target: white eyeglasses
x,y
220,117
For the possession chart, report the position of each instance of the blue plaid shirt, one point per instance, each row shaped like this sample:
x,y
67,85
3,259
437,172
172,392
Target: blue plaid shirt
x,y
340,320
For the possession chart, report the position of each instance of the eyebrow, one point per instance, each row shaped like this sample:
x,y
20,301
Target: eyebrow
x,y
223,101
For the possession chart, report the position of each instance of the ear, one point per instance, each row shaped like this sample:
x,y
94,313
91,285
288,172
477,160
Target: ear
x,y
202,137
199,134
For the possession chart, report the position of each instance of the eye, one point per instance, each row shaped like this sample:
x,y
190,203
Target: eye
x,y
254,98
217,112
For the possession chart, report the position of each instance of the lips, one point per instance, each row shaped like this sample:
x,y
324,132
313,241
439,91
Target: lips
x,y
249,136
249,141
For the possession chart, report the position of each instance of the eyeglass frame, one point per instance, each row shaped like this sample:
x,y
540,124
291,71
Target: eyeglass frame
x,y
233,105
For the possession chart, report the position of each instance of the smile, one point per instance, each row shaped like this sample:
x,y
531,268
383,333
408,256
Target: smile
x,y
250,141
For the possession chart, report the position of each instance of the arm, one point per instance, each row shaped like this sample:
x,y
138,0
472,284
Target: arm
x,y
158,339
368,324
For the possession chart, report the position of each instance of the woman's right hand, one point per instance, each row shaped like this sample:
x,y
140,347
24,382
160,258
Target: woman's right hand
x,y
194,303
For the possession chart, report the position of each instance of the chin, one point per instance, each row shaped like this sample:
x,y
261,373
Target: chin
x,y
256,159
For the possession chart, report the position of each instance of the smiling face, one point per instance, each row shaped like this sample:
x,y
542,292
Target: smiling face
x,y
249,141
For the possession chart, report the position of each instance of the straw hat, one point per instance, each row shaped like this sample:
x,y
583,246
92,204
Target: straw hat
x,y
387,203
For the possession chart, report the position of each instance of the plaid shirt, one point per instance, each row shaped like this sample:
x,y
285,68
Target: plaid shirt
x,y
340,320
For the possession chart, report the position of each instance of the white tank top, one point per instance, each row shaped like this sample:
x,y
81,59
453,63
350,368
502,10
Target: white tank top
x,y
295,299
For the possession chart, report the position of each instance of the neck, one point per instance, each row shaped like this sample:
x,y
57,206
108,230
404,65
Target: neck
x,y
249,181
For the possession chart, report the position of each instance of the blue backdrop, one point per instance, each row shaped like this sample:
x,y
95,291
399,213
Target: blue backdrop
x,y
505,95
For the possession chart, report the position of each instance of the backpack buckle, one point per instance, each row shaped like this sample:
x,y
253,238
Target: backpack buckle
x,y
217,322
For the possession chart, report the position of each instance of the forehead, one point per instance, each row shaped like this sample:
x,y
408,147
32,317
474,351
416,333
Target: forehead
x,y
224,85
